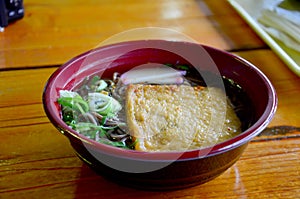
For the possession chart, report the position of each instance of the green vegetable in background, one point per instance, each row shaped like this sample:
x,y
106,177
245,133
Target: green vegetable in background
x,y
290,5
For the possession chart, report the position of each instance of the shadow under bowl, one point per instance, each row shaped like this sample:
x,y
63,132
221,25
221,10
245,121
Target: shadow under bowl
x,y
163,170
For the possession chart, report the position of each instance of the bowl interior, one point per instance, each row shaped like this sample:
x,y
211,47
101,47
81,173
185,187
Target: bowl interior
x,y
122,57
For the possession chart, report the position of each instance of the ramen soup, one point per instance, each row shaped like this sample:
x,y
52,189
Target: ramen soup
x,y
156,108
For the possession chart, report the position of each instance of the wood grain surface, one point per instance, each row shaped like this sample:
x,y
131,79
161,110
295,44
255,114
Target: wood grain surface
x,y
36,161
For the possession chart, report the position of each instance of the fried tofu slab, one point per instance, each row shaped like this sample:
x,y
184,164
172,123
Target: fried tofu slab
x,y
179,117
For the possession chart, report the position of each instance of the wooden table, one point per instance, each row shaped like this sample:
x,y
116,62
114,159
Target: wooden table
x,y
38,162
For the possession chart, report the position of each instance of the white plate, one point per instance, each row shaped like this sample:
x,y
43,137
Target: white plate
x,y
251,11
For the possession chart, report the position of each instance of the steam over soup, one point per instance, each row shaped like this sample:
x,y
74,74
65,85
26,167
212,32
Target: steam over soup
x,y
155,109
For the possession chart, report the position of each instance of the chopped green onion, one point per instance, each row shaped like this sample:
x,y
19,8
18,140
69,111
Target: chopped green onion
x,y
87,100
103,104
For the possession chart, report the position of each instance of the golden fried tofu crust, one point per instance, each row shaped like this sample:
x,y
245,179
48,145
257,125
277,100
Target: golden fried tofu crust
x,y
179,117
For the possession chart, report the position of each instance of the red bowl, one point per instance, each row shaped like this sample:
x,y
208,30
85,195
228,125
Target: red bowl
x,y
162,170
